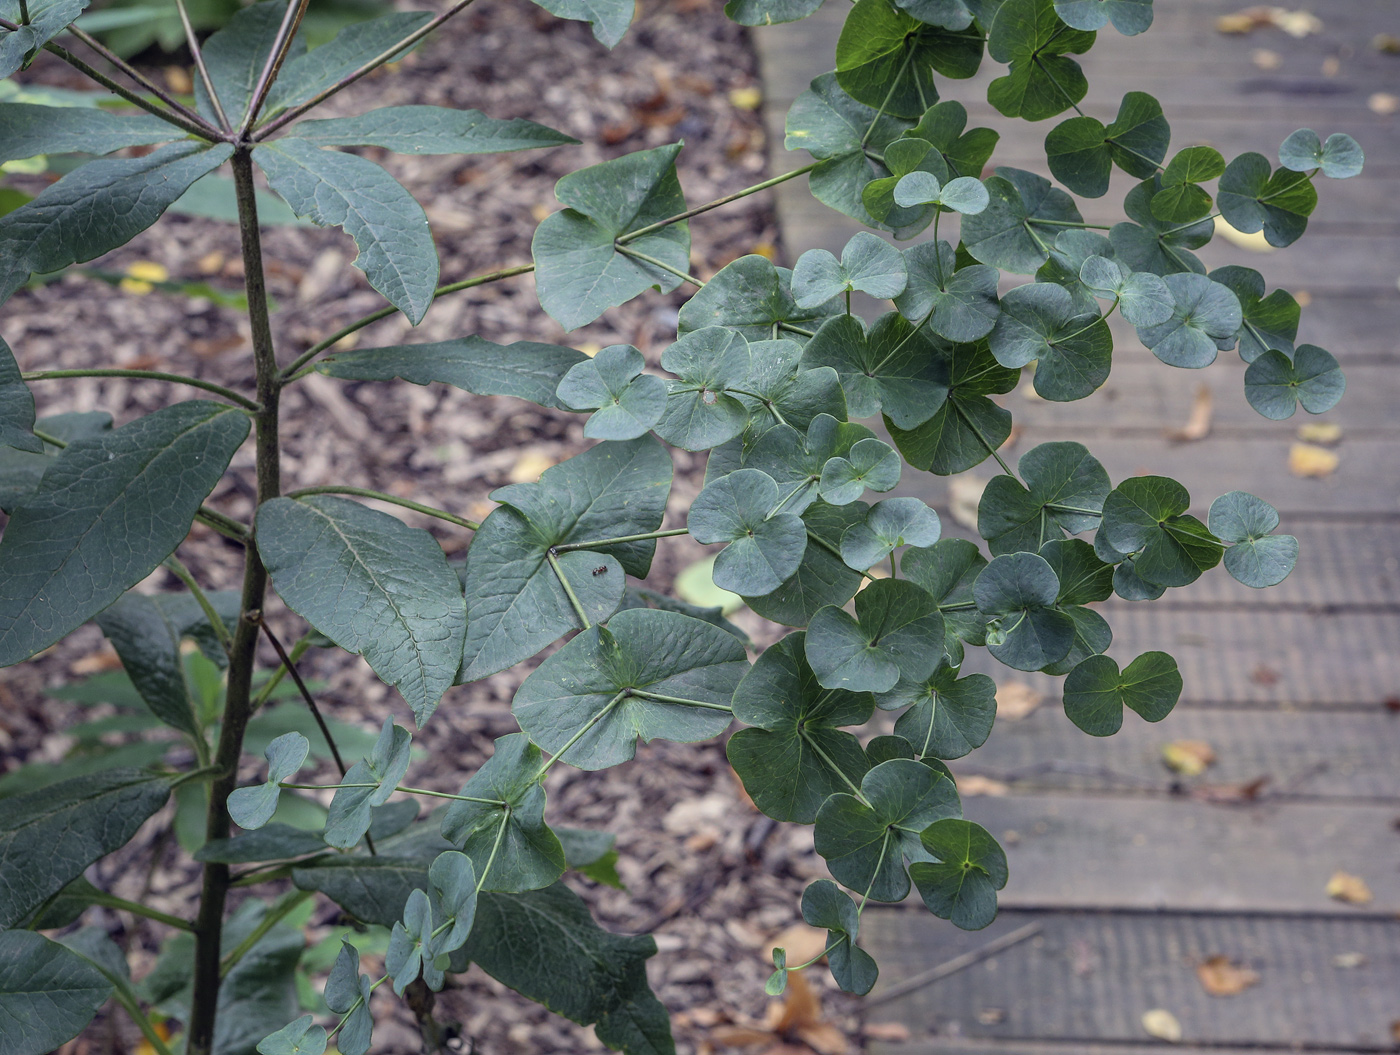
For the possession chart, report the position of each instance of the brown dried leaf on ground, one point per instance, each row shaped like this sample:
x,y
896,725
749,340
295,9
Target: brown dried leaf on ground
x,y
1230,794
1383,103
978,785
1188,757
1162,1024
1294,23
1352,889
1324,432
1197,426
965,494
801,942
793,1026
894,1032
1221,976
1016,699
1307,459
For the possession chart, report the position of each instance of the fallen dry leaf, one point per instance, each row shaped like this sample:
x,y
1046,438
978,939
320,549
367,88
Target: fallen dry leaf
x,y
1255,243
1234,24
1221,976
978,785
1331,66
1266,59
1294,23
1387,43
1308,459
1324,432
799,1017
990,1016
965,493
1188,757
1395,1031
1262,675
1348,961
99,662
1228,794
746,98
801,941
1197,426
1383,103
1016,699
1343,886
1161,1024
895,1032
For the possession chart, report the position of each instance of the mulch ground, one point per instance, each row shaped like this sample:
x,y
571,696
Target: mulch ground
x,y
711,878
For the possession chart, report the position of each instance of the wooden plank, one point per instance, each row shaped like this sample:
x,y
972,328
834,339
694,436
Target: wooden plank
x,y
1301,754
1083,984
1078,850
1249,657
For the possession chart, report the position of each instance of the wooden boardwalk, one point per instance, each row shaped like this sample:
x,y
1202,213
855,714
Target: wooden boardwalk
x,y
1132,874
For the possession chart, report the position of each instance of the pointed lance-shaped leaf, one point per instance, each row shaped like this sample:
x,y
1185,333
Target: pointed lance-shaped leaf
x,y
48,994
31,129
16,406
47,19
609,18
236,55
429,130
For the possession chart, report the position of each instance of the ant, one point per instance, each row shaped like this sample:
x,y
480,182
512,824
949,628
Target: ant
x,y
602,569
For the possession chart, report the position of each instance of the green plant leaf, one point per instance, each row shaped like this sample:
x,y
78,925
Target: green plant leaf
x,y
545,945
1096,692
1030,36
31,129
1256,557
969,426
886,57
98,207
524,369
1063,494
1017,593
16,407
1154,245
888,525
896,367
1253,197
961,884
764,547
302,1037
49,837
1206,313
108,510
827,906
508,842
1275,386
592,854
48,994
236,55
389,227
628,402
902,157
1144,299
752,297
950,14
959,305
796,756
870,463
1181,199
1006,234
370,889
1073,353
1129,17
516,604
796,462
410,946
865,845
253,806
579,270
868,265
964,194
700,412
350,810
271,842
947,570
965,151
429,130
47,19
345,986
823,577
373,585
609,18
897,632
1146,517
1340,157
1269,322
769,12
604,680
948,716
306,75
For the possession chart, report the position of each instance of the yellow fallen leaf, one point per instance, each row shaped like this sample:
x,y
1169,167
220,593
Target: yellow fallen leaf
x,y
1349,961
1383,103
1306,459
1320,432
1234,24
1255,243
746,98
1197,426
590,348
965,494
141,275
1387,43
1015,700
1297,23
767,250
1343,886
1266,59
178,80
539,211
696,584
1161,1024
1188,757
1220,976
1331,66
211,263
973,784
801,942
529,465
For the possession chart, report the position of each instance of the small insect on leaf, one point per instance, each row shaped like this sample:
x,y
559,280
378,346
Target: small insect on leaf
x,y
602,569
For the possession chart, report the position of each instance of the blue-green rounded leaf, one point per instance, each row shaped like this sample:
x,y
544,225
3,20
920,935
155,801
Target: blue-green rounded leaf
x,y
827,906
888,525
1017,593
947,570
1146,517
764,547
957,304
870,463
960,884
628,402
1256,557
1096,691
1275,386
897,632
1205,314
1340,157
302,1037
1252,198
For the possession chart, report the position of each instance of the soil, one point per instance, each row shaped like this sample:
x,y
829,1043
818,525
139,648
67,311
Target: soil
x,y
709,876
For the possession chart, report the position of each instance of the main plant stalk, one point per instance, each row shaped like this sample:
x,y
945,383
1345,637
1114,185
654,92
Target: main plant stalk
x,y
238,706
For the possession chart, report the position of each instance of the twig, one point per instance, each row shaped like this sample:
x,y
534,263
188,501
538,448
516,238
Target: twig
x,y
953,966
199,65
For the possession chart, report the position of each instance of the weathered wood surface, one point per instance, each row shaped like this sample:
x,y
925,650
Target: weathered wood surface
x,y
1087,979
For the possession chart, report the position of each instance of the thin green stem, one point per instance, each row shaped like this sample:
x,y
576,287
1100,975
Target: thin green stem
x,y
824,544
202,773
599,543
875,873
369,67
406,790
1075,224
1085,329
1129,150
279,911
796,329
683,276
294,369
703,704
181,572
137,909
299,649
905,339
147,375
224,525
380,496
569,590
495,846
125,994
767,403
291,21
831,764
982,439
582,731
788,498
24,12
141,79
1193,223
198,55
652,228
